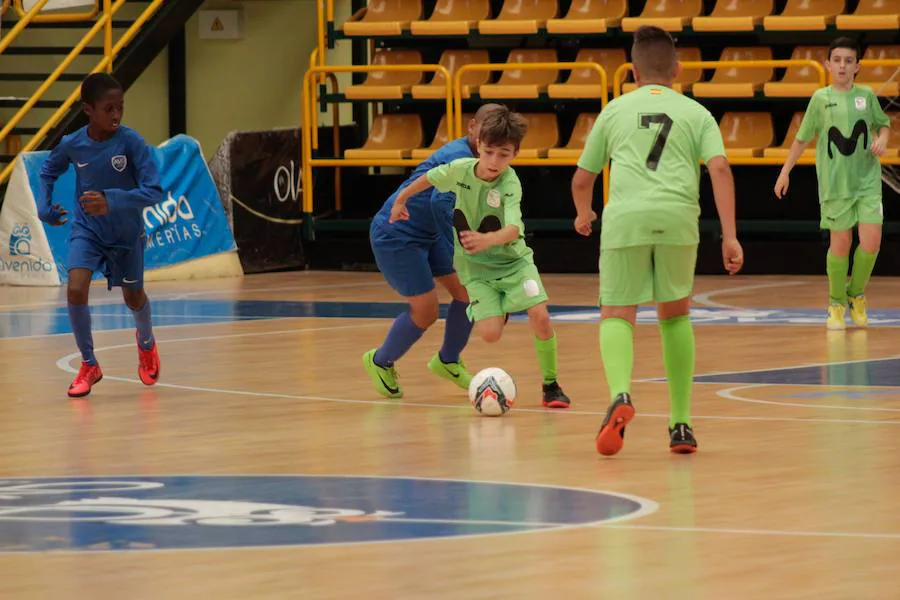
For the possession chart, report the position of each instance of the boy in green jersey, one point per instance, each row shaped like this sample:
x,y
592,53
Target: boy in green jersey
x,y
490,253
656,139
845,117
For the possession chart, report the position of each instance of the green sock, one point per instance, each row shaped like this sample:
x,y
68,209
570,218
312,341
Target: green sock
x,y
678,356
617,352
863,263
837,267
546,353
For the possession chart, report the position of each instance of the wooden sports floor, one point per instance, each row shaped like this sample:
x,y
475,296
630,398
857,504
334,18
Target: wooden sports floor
x,y
792,494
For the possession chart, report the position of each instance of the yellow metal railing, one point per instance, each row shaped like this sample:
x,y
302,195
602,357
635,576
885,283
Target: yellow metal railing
x,y
60,17
23,22
310,122
104,64
312,117
561,66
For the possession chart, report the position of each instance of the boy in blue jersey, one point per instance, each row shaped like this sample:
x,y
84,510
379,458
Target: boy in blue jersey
x,y
412,255
116,178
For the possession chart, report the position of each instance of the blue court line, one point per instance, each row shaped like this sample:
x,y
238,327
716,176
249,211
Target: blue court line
x,y
108,317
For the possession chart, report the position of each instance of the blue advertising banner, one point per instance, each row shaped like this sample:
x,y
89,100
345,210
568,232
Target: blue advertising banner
x,y
189,224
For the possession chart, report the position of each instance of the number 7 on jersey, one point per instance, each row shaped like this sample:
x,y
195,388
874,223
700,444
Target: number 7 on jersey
x,y
665,123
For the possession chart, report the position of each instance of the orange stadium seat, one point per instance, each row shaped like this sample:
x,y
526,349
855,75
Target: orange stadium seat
x,y
872,14
452,60
453,17
391,136
516,83
590,16
543,134
671,15
733,82
585,83
805,15
884,80
799,81
440,138
735,15
583,125
520,17
746,133
388,85
784,149
383,17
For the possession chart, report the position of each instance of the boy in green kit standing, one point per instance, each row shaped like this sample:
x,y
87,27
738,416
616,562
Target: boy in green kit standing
x,y
490,255
846,117
656,139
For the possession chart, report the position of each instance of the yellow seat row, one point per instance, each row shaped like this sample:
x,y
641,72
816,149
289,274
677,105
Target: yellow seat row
x,y
799,81
746,134
527,17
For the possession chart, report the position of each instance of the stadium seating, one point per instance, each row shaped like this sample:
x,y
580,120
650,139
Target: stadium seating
x,y
388,85
590,16
746,133
383,17
391,136
583,125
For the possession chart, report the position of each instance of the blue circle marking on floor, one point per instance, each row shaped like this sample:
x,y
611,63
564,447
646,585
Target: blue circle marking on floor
x,y
40,514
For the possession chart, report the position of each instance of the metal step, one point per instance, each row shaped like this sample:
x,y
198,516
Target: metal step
x,y
79,77
50,51
19,102
24,130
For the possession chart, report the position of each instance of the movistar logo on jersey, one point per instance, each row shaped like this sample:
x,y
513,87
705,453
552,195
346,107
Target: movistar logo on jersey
x,y
847,146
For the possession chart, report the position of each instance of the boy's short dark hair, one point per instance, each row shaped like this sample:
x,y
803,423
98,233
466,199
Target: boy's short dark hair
x,y
844,42
502,126
96,85
653,52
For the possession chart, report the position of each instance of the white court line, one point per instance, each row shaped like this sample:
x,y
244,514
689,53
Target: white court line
x,y
180,296
791,368
65,364
771,532
705,298
730,394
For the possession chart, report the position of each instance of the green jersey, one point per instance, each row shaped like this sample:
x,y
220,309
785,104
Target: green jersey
x,y
846,123
484,206
655,138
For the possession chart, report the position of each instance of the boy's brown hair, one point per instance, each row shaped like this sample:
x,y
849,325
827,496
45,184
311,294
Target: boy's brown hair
x,y
653,53
502,126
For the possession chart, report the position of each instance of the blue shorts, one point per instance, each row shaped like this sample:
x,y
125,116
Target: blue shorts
x,y
410,265
122,267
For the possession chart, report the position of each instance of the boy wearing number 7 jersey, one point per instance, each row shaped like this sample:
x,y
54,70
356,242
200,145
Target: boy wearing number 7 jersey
x,y
655,138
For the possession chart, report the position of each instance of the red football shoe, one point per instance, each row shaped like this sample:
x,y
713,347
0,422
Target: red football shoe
x,y
148,364
87,376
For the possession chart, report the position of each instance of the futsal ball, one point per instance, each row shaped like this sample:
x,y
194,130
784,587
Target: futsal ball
x,y
492,392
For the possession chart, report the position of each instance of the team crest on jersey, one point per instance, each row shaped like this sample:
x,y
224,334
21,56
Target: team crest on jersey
x,y
860,102
119,162
493,199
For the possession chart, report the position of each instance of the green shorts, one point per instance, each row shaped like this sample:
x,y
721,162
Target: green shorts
x,y
841,215
498,297
642,274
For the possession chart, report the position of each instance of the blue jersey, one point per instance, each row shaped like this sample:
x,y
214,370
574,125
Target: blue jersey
x,y
421,223
122,168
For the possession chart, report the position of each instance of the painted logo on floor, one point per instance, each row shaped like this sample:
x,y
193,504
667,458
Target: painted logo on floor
x,y
183,512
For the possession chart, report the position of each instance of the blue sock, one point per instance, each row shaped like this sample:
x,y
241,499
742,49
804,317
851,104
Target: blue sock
x,y
403,334
456,332
144,326
80,319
